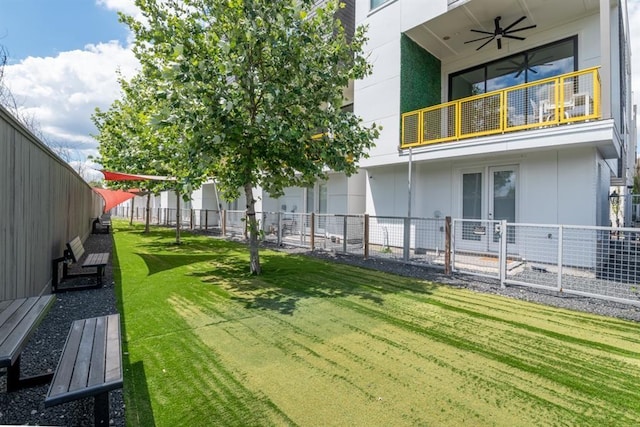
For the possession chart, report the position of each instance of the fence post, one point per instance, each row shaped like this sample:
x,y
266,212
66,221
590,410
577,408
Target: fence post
x,y
365,236
344,234
503,253
447,245
560,245
224,222
206,219
407,239
312,237
191,219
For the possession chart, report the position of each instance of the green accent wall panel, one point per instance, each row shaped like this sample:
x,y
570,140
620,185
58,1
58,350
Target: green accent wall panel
x,y
420,80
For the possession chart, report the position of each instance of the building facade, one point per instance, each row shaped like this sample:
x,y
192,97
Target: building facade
x,y
491,110
516,110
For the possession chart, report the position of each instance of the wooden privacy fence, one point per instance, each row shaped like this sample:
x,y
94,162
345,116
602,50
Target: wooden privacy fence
x,y
43,203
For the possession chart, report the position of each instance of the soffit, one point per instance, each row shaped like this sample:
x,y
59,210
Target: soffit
x,y
444,36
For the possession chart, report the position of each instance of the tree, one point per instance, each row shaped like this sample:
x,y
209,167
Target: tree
x,y
252,82
127,143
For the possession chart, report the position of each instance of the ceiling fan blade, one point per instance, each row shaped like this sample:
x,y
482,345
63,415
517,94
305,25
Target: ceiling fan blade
x,y
539,61
519,20
499,43
518,73
481,38
522,29
513,37
486,43
482,32
533,71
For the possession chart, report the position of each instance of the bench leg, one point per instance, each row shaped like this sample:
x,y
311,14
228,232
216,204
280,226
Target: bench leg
x,y
100,274
101,409
14,382
13,376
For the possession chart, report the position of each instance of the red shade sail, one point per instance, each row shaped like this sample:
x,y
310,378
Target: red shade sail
x,y
113,198
119,176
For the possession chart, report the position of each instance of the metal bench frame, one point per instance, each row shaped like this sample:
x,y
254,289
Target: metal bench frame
x,y
74,252
90,365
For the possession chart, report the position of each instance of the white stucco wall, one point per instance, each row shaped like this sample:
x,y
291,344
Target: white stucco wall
x,y
554,187
205,197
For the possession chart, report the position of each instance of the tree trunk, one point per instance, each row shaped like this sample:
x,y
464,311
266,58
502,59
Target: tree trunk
x,y
252,227
133,202
177,217
147,218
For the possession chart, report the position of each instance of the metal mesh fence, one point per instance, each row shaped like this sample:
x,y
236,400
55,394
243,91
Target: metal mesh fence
x,y
411,128
206,219
533,255
386,237
476,247
481,115
235,223
339,233
603,262
439,124
599,262
427,241
270,226
295,229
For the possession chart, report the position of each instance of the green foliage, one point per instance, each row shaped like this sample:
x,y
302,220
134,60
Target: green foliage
x,y
128,144
246,91
251,81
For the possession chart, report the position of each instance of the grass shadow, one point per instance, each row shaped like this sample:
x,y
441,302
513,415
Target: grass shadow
x,y
286,280
136,390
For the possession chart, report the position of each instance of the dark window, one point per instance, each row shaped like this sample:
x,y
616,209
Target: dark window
x,y
524,67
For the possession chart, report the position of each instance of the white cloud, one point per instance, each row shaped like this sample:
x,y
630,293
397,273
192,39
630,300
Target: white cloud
x,y
62,92
127,7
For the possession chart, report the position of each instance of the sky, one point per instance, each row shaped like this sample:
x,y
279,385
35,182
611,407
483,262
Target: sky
x,y
63,59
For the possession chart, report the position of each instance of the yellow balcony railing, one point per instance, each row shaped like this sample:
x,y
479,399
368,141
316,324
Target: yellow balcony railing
x,y
566,98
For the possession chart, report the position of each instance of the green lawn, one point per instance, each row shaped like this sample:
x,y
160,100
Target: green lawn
x,y
313,343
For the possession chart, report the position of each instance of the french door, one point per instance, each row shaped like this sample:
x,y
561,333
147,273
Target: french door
x,y
489,194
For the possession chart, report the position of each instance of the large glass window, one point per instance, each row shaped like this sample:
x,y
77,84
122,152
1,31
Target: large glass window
x,y
376,3
524,67
471,205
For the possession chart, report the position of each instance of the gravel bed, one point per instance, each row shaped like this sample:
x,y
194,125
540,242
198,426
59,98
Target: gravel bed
x,y
26,406
41,355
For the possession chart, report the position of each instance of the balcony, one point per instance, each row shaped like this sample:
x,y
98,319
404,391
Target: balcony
x,y
567,98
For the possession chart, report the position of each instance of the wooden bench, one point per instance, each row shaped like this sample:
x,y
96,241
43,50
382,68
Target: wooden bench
x,y
90,365
101,225
73,253
19,318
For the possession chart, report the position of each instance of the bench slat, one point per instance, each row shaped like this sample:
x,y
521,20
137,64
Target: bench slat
x,y
83,357
96,371
76,248
8,319
113,370
62,376
16,322
95,260
93,349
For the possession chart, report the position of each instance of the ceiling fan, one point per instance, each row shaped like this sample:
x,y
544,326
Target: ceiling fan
x,y
528,63
499,33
